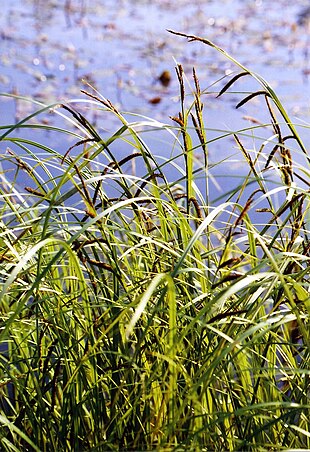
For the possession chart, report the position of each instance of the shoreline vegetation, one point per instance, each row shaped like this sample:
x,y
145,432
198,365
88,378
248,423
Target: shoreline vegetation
x,y
136,312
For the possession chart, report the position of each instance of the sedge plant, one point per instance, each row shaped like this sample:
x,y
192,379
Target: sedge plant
x,y
138,310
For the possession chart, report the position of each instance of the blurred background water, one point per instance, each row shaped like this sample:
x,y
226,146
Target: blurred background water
x,y
49,48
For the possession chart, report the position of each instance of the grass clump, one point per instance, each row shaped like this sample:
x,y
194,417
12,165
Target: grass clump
x,y
137,311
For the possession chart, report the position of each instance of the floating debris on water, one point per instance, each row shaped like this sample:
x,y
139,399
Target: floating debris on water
x,y
165,78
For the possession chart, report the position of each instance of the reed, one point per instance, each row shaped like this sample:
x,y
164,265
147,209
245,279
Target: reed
x,y
137,311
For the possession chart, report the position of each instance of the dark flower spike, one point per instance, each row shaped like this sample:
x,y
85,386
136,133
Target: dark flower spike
x,y
149,178
126,159
224,315
246,99
198,129
180,73
178,120
231,82
83,121
272,153
35,192
78,143
275,124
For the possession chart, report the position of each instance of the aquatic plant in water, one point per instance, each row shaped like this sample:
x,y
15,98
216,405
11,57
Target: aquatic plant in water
x,y
137,311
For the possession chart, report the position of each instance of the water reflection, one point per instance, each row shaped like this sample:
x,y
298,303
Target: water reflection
x,y
124,44
50,49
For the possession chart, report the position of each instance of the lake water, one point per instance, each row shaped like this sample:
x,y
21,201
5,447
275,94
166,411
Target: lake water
x,y
121,47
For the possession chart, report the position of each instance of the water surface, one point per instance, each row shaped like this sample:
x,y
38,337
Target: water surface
x,y
51,48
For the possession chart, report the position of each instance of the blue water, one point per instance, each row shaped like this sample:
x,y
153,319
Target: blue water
x,y
49,48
